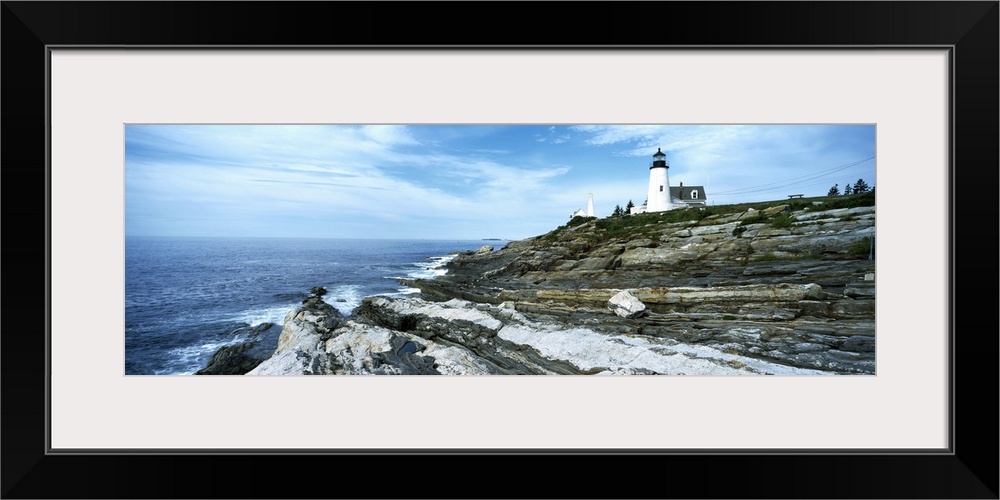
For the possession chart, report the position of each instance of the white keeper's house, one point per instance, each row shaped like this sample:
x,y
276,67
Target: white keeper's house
x,y
661,196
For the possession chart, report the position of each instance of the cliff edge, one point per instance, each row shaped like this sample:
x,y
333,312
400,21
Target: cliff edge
x,y
764,289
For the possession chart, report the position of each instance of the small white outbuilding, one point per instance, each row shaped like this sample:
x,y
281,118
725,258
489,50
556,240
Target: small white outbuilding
x,y
590,208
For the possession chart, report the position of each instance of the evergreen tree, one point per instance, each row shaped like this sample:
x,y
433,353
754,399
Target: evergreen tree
x,y
847,189
834,191
861,187
617,212
629,207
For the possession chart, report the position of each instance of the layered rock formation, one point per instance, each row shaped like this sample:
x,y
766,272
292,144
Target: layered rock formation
x,y
786,284
784,289
413,336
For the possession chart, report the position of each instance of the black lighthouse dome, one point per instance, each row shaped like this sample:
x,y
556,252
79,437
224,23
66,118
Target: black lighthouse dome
x,y
659,160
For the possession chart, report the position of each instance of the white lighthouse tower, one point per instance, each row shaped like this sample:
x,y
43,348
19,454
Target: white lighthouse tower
x,y
658,196
590,205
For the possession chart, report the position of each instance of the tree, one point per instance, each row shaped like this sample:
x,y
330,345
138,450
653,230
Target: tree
x,y
861,187
834,191
629,207
617,212
847,189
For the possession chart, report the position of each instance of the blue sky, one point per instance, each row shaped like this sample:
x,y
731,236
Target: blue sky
x,y
457,181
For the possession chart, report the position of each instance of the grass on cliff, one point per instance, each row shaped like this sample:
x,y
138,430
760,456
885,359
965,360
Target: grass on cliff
x,y
648,225
814,204
862,247
630,226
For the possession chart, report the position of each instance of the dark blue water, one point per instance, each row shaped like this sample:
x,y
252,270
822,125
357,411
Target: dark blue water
x,y
186,297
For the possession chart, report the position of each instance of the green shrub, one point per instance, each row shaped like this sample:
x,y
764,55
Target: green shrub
x,y
799,205
756,218
782,221
862,247
849,201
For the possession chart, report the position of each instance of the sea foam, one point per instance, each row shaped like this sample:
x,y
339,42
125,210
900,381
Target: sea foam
x,y
344,298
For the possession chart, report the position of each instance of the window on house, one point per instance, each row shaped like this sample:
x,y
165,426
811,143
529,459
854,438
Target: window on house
x,y
694,194
661,189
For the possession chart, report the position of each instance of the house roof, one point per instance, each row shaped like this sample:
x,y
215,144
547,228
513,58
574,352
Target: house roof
x,y
684,192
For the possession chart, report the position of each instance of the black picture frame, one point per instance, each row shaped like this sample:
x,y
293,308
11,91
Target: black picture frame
x,y
969,471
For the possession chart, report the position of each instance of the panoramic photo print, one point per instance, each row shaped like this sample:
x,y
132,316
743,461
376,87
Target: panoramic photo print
x,y
542,249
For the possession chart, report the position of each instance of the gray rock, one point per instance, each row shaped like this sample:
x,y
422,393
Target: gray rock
x,y
769,212
761,301
626,305
231,360
402,355
859,343
864,289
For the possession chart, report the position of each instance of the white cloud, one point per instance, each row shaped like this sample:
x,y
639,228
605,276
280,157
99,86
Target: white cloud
x,y
389,135
602,135
302,178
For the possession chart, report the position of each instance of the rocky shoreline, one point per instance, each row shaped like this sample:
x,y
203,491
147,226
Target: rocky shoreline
x,y
781,290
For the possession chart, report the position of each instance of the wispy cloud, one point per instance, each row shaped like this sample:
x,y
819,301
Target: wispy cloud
x,y
444,181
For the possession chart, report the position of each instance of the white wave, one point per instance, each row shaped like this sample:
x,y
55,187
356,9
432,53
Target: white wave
x,y
254,317
189,359
344,298
432,268
427,273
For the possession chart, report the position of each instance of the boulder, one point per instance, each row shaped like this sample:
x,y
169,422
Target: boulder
x,y
772,211
231,360
626,305
240,358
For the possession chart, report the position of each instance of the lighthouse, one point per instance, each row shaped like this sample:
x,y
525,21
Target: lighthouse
x,y
658,196
661,197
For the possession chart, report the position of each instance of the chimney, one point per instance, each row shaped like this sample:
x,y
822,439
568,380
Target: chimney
x,y
590,205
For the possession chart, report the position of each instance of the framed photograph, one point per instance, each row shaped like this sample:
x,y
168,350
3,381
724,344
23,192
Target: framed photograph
x,y
153,126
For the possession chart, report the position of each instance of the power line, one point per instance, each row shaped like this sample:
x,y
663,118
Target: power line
x,y
793,181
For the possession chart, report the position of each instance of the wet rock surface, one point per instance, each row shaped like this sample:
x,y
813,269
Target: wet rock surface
x,y
240,358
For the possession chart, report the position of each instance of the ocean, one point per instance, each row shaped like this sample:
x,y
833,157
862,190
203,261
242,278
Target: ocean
x,y
187,297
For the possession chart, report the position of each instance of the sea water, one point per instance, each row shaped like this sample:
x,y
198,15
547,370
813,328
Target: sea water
x,y
187,297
